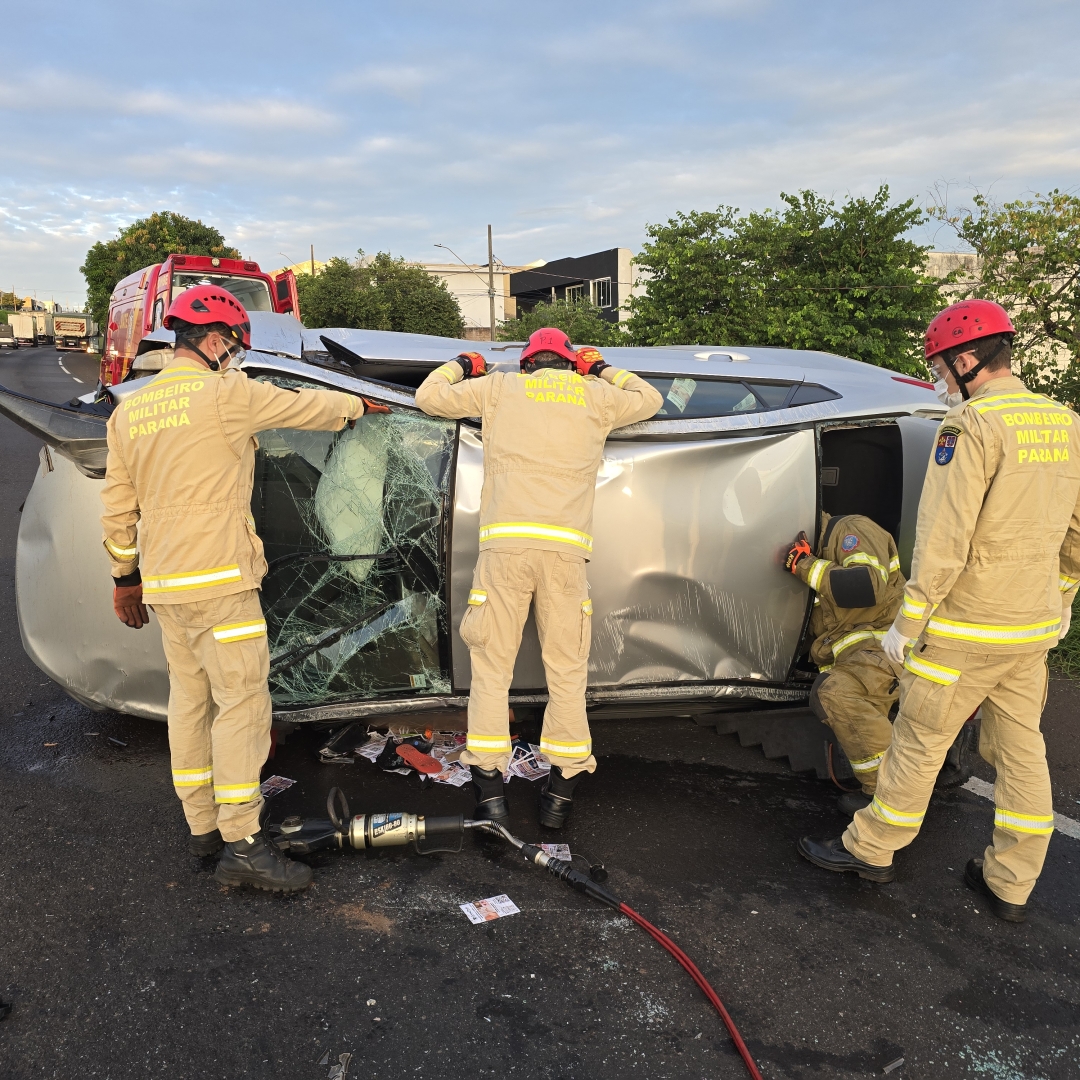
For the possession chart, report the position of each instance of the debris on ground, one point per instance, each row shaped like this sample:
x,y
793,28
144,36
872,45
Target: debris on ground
x,y
325,1059
494,907
338,1071
557,851
433,755
275,785
893,1065
117,742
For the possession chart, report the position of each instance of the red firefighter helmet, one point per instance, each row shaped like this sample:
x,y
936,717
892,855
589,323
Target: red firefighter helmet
x,y
549,339
966,322
205,304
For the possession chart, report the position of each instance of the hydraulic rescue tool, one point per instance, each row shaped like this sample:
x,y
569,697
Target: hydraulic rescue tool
x,y
340,830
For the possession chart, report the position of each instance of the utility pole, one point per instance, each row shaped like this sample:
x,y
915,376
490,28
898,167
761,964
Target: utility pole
x,y
312,260
491,285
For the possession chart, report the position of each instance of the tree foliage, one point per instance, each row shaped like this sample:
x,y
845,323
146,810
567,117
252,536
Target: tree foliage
x,y
813,276
1029,262
142,244
383,293
580,320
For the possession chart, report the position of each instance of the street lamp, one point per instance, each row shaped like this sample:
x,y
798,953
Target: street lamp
x,y
490,280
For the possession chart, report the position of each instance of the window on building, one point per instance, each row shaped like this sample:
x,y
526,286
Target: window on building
x,y
574,293
601,292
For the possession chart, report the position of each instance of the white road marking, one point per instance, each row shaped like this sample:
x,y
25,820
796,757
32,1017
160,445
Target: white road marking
x,y
66,372
1061,822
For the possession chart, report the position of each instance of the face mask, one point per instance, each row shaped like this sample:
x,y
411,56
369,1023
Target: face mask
x,y
941,388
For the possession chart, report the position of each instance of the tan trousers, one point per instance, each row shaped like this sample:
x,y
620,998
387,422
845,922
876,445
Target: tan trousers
x,y
504,585
854,698
934,704
219,709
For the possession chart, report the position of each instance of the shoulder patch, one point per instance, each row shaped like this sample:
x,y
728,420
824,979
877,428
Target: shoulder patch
x,y
850,542
946,444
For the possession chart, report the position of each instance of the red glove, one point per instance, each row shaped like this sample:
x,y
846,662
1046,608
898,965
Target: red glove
x,y
799,551
373,406
128,605
473,364
589,361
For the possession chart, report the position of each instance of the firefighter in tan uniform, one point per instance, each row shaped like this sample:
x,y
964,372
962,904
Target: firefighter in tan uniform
x,y
995,570
544,431
858,585
179,533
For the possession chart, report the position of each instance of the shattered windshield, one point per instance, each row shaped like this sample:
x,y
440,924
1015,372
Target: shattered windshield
x,y
352,526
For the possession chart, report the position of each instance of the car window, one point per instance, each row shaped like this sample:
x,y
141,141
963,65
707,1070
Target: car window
x,y
351,523
251,292
693,399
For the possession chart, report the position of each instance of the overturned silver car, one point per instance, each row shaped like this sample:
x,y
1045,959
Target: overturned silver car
x,y
371,534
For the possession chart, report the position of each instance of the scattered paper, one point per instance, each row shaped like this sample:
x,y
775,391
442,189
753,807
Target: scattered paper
x,y
494,907
682,390
275,785
557,851
527,763
372,748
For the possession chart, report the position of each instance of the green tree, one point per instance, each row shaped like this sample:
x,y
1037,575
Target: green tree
x,y
579,319
815,276
142,244
1029,262
381,294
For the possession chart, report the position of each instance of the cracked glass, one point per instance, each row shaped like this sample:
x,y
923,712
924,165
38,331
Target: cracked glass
x,y
352,523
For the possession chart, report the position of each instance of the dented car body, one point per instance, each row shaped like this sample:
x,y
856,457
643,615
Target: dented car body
x,y
371,534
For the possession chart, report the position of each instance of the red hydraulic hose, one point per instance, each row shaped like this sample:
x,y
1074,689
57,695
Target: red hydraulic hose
x,y
703,983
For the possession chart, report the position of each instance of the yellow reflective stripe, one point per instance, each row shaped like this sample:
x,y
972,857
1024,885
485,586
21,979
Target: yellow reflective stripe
x,y
566,749
235,793
121,552
477,597
817,571
586,607
240,631
193,777
998,402
191,579
447,372
181,375
986,632
938,673
1036,824
896,817
864,765
487,742
894,564
853,638
1067,583
862,558
620,378
912,609
532,530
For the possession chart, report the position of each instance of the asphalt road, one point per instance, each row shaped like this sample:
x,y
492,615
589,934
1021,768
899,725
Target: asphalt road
x,y
124,959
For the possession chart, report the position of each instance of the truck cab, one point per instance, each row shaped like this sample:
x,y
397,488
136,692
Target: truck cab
x,y
139,302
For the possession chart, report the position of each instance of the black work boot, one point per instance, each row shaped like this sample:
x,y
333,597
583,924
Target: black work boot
x,y
832,855
491,804
205,844
255,861
557,798
851,802
973,879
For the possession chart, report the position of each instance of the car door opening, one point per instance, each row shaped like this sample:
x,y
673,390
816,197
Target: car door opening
x,y
862,472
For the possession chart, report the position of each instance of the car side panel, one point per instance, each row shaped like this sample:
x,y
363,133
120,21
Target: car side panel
x,y
685,576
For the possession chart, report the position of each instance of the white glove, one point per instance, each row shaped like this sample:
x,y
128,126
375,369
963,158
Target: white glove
x,y
1066,618
894,644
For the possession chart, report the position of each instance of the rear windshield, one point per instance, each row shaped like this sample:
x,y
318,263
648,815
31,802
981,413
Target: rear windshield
x,y
694,399
251,292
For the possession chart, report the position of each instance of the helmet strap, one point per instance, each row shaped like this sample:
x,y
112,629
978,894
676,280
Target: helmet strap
x,y
963,380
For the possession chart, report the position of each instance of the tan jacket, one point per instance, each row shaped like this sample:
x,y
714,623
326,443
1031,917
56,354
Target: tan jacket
x,y
179,475
859,587
543,441
997,547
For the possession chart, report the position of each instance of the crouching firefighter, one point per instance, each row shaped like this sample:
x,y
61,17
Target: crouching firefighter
x,y
181,538
993,576
544,431
858,589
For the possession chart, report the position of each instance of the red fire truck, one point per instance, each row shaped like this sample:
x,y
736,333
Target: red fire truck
x,y
139,302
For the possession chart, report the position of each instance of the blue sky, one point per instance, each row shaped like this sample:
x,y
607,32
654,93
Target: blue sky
x,y
569,127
